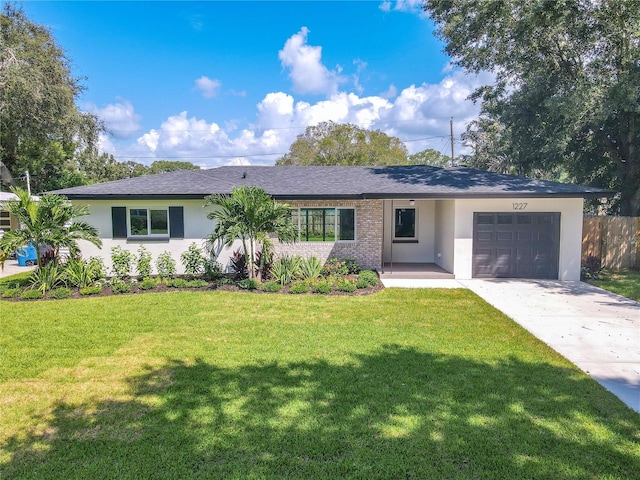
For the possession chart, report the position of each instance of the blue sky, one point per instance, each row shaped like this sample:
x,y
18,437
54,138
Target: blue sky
x,y
219,83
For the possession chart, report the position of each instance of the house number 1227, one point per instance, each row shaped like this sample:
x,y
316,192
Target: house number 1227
x,y
519,206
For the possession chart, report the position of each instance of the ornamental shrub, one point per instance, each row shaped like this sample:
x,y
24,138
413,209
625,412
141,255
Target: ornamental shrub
x,y
47,277
248,284
299,287
165,265
147,284
369,276
79,273
286,269
346,285
12,293
321,286
197,283
272,287
121,260
143,263
310,267
120,286
176,283
193,260
32,295
97,267
60,293
333,266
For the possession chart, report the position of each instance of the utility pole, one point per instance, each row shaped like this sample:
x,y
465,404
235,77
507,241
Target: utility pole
x,y
451,127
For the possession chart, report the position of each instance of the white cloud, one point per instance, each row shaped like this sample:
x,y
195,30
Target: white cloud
x,y
408,6
208,87
306,70
418,115
119,118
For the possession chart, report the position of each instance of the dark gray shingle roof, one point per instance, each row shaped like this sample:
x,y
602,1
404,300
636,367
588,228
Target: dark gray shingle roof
x,y
333,182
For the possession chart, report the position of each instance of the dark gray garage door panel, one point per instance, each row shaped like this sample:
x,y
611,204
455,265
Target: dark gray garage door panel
x,y
516,245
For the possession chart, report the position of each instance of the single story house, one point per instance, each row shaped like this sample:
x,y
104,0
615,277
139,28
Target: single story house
x,y
466,222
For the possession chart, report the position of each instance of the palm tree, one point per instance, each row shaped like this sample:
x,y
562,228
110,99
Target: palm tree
x,y
252,216
47,221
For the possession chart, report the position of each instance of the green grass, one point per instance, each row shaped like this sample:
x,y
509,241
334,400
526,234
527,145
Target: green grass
x,y
400,384
624,282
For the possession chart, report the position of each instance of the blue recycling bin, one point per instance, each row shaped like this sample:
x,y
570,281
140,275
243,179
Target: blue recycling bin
x,y
27,255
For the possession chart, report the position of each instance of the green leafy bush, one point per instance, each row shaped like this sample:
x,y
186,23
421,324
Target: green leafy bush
x,y
143,263
47,277
79,273
321,286
346,285
362,283
98,269
224,281
197,283
91,290
212,270
60,293
351,265
176,283
121,260
333,266
147,284
271,286
192,260
120,286
248,284
32,295
369,276
310,267
286,269
11,293
299,287
165,265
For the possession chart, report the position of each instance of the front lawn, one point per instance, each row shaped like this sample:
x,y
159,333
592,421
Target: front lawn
x,y
399,384
624,282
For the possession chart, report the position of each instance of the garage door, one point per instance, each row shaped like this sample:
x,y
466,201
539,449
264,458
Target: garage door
x,y
516,245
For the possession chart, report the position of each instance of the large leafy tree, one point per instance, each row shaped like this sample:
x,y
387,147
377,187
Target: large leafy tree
x,y
38,113
566,100
252,216
51,220
430,157
330,143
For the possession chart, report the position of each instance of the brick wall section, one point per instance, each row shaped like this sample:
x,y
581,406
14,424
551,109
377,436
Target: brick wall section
x,y
366,250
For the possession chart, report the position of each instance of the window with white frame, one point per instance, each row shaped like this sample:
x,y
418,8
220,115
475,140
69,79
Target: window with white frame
x,y
405,224
325,224
146,222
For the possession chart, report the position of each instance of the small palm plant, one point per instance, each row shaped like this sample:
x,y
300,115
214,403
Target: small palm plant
x,y
51,220
250,215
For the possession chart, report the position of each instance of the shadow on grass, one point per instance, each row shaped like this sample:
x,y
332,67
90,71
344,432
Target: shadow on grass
x,y
397,413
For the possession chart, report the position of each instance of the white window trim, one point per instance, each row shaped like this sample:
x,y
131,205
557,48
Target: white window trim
x,y
149,235
335,226
405,239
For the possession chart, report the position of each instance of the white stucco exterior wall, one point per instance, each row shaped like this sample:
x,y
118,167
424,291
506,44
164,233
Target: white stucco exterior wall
x,y
444,233
196,227
570,230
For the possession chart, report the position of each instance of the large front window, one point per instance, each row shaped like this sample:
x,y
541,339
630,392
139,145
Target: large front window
x,y
148,222
325,224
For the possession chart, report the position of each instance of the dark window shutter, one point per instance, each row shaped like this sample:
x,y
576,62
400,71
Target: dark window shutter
x,y
119,222
176,222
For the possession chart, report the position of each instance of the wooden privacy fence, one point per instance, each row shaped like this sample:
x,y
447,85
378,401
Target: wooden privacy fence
x,y
614,240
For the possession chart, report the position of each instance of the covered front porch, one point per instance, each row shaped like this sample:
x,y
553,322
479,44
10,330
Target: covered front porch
x,y
418,239
421,271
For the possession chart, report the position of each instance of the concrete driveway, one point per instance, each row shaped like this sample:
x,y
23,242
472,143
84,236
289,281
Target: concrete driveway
x,y
11,267
597,330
